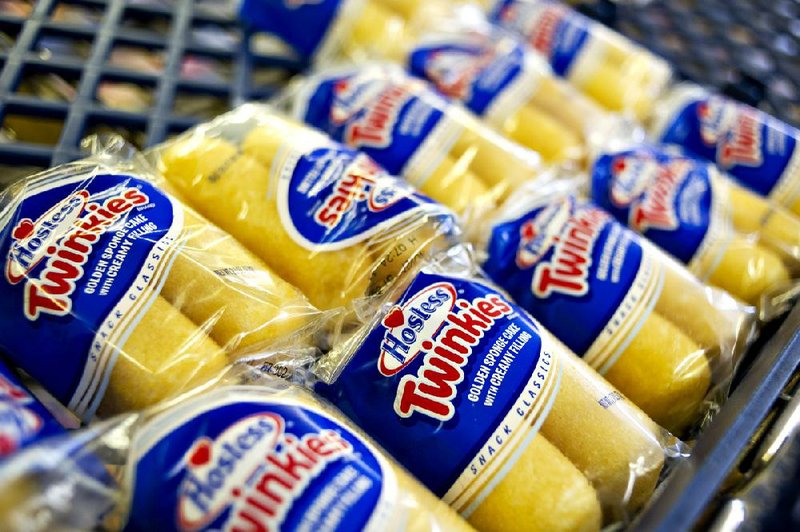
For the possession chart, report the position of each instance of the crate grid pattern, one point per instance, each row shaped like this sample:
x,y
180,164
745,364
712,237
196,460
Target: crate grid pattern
x,y
85,110
750,49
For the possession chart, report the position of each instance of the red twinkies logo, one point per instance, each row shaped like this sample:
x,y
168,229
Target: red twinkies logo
x,y
539,234
370,108
542,35
741,144
17,424
361,181
453,72
656,207
567,270
254,468
64,236
734,129
444,330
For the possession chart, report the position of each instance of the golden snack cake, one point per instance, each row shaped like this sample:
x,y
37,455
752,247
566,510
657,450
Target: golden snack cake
x,y
480,402
726,234
131,292
325,217
636,316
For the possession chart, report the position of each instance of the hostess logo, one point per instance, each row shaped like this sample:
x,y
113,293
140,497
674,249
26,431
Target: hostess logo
x,y
17,425
410,326
711,115
566,270
734,129
631,174
255,470
445,331
369,108
453,71
31,240
64,237
360,180
540,233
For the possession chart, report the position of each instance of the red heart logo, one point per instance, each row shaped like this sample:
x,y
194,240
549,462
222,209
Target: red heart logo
x,y
201,453
528,231
24,229
619,165
394,318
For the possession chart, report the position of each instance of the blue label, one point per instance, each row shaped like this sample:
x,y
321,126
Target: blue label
x,y
380,111
750,145
447,381
556,31
666,197
80,255
23,419
302,24
236,459
566,262
473,69
335,197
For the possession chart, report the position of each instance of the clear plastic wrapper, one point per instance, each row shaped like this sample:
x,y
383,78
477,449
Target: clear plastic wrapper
x,y
652,329
23,418
415,132
324,216
144,295
248,453
484,406
758,150
727,235
610,68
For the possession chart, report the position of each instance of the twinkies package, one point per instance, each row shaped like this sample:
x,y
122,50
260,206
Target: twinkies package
x,y
500,79
660,336
23,418
477,400
726,234
324,216
256,455
617,73
415,132
116,295
758,150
